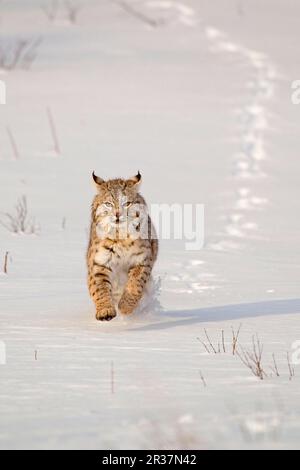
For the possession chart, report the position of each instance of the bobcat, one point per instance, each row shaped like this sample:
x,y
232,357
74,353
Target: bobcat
x,y
123,247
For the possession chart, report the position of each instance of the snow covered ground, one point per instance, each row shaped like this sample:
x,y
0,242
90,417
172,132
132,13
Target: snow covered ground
x,y
197,95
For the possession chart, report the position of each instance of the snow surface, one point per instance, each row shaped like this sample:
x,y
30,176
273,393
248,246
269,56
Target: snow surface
x,y
197,95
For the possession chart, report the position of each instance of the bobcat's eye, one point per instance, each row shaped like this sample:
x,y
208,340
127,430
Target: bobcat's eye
x,y
108,205
127,204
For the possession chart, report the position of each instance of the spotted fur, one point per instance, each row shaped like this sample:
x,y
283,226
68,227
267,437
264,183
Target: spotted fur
x,y
120,256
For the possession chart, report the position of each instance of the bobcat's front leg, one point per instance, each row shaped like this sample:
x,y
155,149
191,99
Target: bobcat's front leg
x,y
138,277
101,292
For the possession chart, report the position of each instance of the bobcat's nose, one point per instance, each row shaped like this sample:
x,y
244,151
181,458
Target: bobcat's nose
x,y
118,214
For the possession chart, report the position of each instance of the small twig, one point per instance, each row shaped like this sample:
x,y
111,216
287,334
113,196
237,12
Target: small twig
x,y
19,49
5,262
235,338
209,341
203,379
137,14
51,10
31,54
64,223
291,369
72,10
35,355
13,143
223,341
206,347
275,368
53,131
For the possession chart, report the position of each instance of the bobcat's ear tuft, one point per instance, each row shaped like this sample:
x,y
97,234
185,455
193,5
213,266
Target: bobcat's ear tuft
x,y
138,177
136,180
97,180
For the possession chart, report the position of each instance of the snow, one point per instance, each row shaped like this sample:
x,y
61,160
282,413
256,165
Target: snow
x,y
201,105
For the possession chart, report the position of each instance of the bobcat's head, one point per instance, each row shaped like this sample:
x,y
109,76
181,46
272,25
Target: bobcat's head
x,y
118,207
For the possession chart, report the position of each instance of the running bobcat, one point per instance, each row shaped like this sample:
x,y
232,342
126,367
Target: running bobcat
x,y
123,247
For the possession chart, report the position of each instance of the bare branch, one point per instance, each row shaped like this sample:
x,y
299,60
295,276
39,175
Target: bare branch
x,y
253,359
20,222
18,53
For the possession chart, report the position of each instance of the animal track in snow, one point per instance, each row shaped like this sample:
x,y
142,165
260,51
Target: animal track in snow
x,y
192,280
253,120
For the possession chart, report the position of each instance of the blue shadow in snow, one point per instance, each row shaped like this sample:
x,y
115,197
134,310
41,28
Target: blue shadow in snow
x,y
179,318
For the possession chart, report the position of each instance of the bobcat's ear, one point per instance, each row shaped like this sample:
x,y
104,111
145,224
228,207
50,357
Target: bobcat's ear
x,y
136,180
97,180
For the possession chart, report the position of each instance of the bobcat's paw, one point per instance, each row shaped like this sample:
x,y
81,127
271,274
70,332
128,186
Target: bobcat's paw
x,y
128,304
106,313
